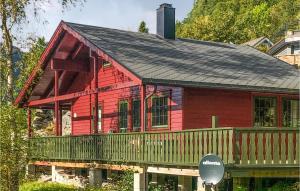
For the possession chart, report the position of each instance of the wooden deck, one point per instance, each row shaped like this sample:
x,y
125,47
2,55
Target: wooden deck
x,y
238,147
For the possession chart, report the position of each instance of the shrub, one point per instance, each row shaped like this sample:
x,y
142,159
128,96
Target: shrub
x,y
286,186
46,186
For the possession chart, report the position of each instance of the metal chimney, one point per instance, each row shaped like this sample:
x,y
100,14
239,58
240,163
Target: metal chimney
x,y
166,21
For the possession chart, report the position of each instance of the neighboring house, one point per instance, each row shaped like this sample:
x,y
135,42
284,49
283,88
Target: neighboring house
x,y
288,49
261,43
158,104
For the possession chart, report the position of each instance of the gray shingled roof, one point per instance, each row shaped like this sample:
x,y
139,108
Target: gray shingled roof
x,y
193,63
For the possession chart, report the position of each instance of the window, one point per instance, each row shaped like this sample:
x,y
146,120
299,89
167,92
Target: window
x,y
159,111
136,113
123,116
290,113
265,112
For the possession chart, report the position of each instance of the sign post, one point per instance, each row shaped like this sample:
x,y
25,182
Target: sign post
x,y
211,170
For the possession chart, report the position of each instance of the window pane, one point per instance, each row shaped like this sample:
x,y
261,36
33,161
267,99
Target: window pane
x,y
290,113
265,112
160,111
123,117
136,113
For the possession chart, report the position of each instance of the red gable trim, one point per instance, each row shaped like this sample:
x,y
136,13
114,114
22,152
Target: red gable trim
x,y
55,39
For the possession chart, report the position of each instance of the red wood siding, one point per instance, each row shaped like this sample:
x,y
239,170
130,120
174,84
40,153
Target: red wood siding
x,y
81,116
109,101
234,108
81,108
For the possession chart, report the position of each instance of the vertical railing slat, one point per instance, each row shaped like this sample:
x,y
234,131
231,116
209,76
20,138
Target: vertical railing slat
x,y
283,148
268,147
244,151
260,150
276,148
252,146
290,147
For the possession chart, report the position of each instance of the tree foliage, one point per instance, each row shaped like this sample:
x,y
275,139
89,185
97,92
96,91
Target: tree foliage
x,y
239,21
13,16
143,28
12,147
29,60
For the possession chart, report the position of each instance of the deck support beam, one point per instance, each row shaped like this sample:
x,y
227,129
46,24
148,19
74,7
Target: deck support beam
x,y
95,177
139,182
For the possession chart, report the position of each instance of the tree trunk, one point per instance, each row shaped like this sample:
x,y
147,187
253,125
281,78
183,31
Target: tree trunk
x,y
8,54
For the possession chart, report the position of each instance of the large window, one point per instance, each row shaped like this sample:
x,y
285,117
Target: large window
x,y
136,113
160,112
290,112
265,112
123,116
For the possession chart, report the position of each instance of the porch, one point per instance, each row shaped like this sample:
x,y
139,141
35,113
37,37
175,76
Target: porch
x,y
238,147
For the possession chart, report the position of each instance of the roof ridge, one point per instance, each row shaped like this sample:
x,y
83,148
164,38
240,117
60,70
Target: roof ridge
x,y
121,30
155,35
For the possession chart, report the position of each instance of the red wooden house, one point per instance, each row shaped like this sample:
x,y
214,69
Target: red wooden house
x,y
116,81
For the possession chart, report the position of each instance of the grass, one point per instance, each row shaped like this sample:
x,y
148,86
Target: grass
x,y
46,186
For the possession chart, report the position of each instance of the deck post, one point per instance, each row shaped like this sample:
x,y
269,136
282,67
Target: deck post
x,y
143,106
56,104
30,170
184,183
200,186
53,173
95,177
214,121
139,182
29,122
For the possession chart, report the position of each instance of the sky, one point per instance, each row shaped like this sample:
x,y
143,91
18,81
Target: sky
x,y
118,14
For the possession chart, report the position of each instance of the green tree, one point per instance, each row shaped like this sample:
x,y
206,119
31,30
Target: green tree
x,y
13,16
143,28
239,21
29,60
12,147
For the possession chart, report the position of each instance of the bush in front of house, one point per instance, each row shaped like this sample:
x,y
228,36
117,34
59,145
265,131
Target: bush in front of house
x,y
46,186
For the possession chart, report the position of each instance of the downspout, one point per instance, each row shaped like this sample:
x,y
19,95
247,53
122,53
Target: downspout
x,y
145,105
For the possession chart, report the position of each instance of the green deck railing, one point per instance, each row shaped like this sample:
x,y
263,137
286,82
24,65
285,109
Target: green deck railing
x,y
184,148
